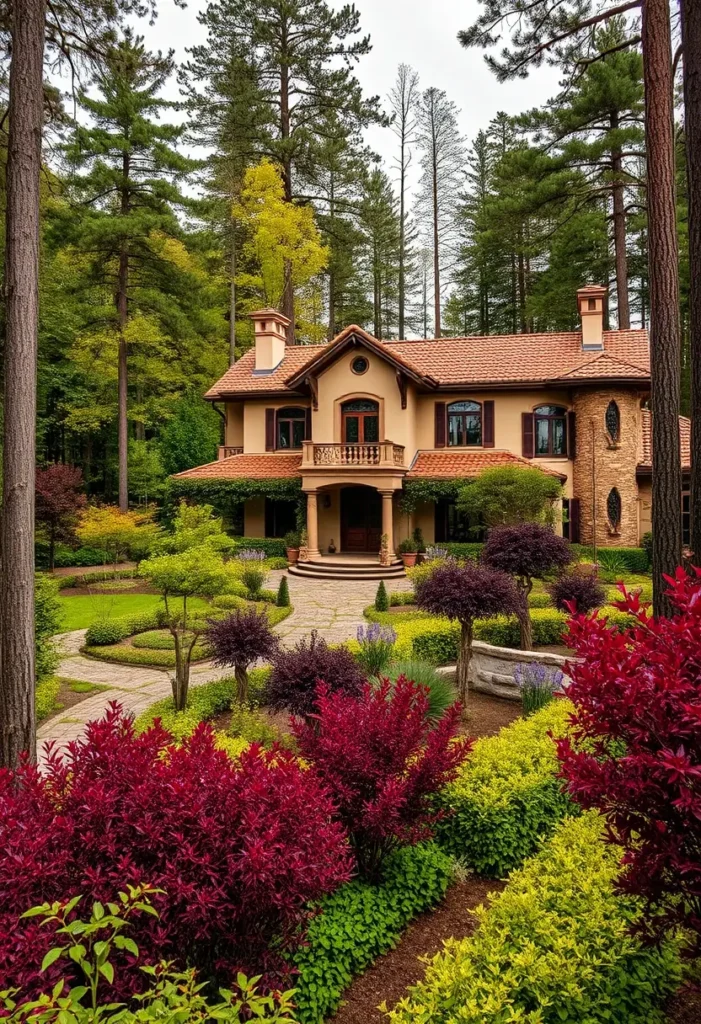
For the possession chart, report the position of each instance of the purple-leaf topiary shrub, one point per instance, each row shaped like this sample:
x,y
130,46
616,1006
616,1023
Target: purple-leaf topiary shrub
x,y
467,592
527,552
240,640
577,592
296,673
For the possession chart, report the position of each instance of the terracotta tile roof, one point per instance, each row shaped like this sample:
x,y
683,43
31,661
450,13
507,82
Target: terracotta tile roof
x,y
684,437
240,378
445,464
272,466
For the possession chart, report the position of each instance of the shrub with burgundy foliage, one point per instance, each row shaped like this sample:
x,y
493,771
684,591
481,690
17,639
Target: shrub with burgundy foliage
x,y
382,759
59,498
239,640
527,552
637,696
577,592
466,592
239,850
296,673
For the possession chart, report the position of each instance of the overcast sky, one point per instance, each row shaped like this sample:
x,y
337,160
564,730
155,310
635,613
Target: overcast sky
x,y
422,33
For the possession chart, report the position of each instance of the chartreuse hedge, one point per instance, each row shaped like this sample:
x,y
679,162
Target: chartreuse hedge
x,y
506,795
555,947
359,922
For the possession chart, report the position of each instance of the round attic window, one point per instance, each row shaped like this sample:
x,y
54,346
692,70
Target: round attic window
x,y
359,364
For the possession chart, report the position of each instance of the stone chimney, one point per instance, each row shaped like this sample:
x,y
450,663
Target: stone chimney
x,y
270,329
590,301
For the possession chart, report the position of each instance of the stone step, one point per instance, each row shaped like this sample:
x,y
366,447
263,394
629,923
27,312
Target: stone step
x,y
347,571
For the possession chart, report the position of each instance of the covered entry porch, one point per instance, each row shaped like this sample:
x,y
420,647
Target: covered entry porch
x,y
349,518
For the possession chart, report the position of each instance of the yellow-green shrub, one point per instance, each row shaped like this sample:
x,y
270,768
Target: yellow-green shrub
x,y
555,947
506,795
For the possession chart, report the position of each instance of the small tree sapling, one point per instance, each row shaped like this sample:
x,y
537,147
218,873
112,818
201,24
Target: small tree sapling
x,y
240,640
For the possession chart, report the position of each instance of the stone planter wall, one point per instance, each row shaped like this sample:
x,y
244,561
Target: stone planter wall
x,y
492,668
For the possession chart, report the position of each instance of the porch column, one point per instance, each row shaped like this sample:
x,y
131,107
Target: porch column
x,y
312,525
387,520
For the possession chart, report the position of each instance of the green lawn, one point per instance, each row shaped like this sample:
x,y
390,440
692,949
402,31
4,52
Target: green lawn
x,y
80,612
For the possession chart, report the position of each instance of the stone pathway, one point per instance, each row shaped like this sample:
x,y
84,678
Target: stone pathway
x,y
333,607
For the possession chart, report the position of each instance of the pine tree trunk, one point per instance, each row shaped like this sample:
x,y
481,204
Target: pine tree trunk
x,y
462,669
402,239
288,294
665,337
619,233
232,296
25,118
691,36
122,303
436,251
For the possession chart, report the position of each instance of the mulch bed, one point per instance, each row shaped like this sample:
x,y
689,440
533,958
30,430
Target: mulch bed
x,y
685,1007
390,975
487,715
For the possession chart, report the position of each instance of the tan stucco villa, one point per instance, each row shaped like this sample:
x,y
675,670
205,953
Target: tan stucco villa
x,y
356,418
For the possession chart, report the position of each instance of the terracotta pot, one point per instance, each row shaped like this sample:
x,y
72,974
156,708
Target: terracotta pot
x,y
292,555
409,558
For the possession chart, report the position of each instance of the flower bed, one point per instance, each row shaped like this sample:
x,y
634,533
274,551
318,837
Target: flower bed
x,y
506,796
554,947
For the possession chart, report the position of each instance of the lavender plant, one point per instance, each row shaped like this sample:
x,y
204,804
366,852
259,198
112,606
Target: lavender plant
x,y
253,575
538,684
433,552
376,648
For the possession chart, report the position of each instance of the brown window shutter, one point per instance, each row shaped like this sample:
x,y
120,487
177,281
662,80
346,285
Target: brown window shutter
x,y
440,425
488,424
270,430
571,435
527,447
308,424
574,521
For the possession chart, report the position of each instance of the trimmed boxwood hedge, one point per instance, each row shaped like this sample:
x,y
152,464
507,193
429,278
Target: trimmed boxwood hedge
x,y
111,631
556,946
125,655
360,921
506,796
635,559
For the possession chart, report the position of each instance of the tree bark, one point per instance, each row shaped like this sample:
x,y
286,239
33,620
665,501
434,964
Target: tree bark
x,y
436,249
288,294
232,296
462,669
691,38
619,233
525,622
665,335
122,303
17,647
241,677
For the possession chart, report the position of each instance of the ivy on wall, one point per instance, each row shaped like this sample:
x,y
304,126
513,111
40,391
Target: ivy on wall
x,y
228,496
420,490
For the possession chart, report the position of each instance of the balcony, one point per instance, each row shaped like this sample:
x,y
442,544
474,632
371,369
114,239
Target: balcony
x,y
334,456
225,451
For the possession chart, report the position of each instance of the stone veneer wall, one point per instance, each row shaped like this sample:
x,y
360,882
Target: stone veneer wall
x,y
602,465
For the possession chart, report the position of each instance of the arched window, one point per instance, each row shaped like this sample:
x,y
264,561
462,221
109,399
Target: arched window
x,y
614,509
550,427
613,421
464,424
291,427
361,421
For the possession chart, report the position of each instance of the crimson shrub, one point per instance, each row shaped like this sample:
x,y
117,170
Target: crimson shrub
x,y
527,552
293,681
577,592
637,696
239,850
382,759
239,640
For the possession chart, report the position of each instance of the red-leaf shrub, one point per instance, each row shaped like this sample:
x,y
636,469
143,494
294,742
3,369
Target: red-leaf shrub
x,y
527,552
240,849
59,498
577,592
466,592
239,640
293,681
637,696
382,759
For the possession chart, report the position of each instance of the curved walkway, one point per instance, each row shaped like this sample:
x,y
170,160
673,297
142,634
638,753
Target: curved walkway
x,y
333,607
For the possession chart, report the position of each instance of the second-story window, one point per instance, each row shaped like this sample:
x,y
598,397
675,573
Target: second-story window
x,y
291,426
361,421
464,423
550,426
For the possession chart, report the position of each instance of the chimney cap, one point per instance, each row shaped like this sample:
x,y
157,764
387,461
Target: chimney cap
x,y
270,314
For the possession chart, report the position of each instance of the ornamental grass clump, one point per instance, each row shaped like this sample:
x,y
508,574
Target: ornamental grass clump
x,y
376,648
381,760
296,673
439,688
240,640
465,593
238,851
637,690
537,684
527,552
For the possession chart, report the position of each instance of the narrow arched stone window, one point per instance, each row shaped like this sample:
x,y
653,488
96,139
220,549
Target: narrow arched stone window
x,y
613,421
614,509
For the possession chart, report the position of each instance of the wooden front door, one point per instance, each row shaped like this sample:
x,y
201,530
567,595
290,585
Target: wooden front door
x,y
361,519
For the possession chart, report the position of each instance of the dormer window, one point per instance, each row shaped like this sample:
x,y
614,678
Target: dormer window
x,y
550,428
291,428
464,424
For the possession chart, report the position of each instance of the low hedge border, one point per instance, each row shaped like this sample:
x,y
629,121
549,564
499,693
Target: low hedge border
x,y
111,631
506,796
554,947
360,922
274,547
121,654
635,559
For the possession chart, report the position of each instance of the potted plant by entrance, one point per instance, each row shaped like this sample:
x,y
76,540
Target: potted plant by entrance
x,y
408,550
292,546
